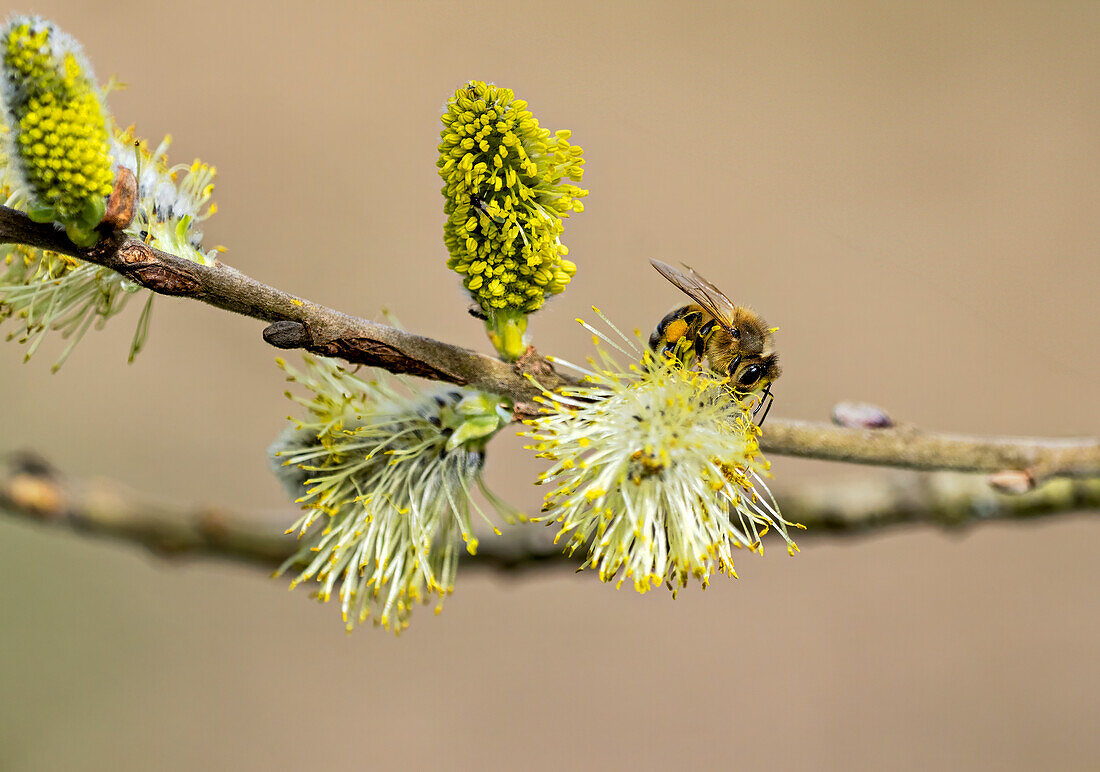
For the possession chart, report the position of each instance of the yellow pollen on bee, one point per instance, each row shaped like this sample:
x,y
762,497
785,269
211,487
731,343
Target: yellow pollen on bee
x,y
675,330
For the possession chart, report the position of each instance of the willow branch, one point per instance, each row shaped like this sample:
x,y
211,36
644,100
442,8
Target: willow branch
x,y
30,490
295,322
910,448
298,323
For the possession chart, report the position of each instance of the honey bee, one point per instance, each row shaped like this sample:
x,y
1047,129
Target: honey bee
x,y
735,342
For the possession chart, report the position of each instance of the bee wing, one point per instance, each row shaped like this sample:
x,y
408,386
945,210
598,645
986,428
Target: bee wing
x,y
701,291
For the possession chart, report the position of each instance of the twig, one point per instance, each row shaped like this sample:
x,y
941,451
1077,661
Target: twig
x,y
911,448
298,323
301,323
30,490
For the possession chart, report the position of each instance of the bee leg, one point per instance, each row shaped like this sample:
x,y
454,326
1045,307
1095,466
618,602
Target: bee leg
x,y
768,409
763,397
770,398
673,333
684,351
702,335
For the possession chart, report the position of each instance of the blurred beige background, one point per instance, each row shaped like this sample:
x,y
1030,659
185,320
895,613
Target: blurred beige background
x,y
909,191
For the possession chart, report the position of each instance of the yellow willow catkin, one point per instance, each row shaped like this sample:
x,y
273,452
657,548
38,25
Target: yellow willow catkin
x,y
59,125
505,196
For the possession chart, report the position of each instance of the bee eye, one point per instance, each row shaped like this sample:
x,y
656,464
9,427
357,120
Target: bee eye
x,y
750,375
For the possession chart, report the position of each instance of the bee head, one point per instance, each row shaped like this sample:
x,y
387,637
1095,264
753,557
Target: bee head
x,y
749,374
